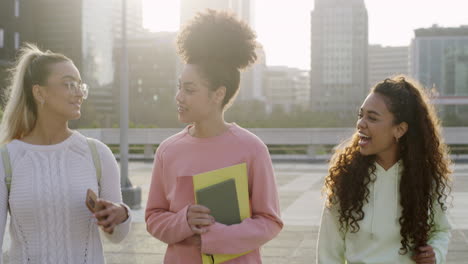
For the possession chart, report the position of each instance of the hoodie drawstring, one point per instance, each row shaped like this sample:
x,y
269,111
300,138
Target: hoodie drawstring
x,y
373,207
397,178
396,202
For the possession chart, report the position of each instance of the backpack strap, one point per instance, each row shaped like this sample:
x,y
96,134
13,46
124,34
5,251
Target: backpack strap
x,y
96,160
6,166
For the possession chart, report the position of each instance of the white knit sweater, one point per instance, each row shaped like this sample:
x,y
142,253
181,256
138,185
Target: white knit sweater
x,y
49,221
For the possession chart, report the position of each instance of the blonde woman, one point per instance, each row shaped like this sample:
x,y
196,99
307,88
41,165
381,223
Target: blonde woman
x,y
50,168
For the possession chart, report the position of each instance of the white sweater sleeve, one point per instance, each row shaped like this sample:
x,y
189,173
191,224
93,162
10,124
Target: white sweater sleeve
x,y
3,206
331,243
440,235
110,190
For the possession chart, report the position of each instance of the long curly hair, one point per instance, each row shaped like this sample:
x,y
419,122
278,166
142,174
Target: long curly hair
x,y
220,45
426,176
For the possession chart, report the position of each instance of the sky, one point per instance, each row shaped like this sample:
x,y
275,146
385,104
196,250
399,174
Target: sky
x,y
283,27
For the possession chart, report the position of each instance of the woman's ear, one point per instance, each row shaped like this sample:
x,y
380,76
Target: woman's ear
x,y
38,94
220,93
401,130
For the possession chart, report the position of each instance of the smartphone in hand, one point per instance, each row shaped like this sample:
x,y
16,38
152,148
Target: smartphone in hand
x,y
91,202
93,205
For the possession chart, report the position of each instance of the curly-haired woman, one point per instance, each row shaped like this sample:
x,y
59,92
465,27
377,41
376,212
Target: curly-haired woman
x,y
387,186
215,46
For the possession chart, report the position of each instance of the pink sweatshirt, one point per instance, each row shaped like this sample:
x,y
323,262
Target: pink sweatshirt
x,y
180,157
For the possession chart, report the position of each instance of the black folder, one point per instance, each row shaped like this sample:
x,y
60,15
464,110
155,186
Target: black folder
x,y
221,198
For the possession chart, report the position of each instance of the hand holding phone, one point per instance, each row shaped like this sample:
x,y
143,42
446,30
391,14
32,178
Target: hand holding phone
x,y
92,202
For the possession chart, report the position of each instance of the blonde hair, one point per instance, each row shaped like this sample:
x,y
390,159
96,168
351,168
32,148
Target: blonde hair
x,y
31,68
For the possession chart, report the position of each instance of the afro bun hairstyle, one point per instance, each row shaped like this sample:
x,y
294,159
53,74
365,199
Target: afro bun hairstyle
x,y
217,37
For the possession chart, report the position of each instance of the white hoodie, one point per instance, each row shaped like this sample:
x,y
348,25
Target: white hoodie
x,y
378,240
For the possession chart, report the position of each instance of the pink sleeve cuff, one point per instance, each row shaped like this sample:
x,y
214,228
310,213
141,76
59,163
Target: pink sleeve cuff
x,y
209,240
186,231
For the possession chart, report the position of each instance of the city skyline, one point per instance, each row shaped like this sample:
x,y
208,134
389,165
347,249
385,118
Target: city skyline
x,y
339,55
159,15
339,45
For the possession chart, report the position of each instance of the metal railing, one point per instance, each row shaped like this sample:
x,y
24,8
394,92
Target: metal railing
x,y
284,143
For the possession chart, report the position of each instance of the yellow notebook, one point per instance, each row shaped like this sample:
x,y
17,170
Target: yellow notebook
x,y
222,177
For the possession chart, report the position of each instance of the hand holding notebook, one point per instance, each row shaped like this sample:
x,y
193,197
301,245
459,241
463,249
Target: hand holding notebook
x,y
225,192
221,199
199,218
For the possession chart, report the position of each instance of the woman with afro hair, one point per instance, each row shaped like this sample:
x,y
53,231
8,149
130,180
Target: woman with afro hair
x,y
387,187
215,47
